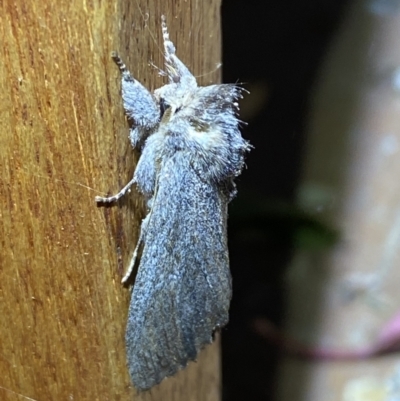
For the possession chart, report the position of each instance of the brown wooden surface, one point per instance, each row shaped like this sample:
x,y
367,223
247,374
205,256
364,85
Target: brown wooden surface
x,y
64,139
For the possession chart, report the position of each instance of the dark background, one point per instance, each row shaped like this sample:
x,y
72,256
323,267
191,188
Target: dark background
x,y
276,48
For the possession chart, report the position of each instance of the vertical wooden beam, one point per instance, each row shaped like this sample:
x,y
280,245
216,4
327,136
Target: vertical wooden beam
x,y
64,139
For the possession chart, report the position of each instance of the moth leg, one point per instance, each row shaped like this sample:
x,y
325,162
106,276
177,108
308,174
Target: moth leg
x,y
119,195
135,253
139,103
122,67
131,263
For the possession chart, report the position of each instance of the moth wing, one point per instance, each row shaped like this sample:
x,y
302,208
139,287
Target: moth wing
x,y
183,286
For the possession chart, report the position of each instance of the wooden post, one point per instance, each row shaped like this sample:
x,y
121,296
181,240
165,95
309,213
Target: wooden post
x,y
64,140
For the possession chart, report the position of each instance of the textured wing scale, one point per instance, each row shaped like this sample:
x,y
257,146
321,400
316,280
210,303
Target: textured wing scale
x,y
183,287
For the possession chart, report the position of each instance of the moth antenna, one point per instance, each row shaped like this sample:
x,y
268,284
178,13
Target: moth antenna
x,y
161,72
168,45
177,71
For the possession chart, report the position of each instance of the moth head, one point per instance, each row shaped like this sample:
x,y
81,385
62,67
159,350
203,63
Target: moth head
x,y
172,101
189,110
201,119
204,104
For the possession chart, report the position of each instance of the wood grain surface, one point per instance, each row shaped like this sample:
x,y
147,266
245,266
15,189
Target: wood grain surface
x,y
64,140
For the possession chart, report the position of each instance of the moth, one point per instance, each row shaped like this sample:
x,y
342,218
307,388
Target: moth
x,y
191,152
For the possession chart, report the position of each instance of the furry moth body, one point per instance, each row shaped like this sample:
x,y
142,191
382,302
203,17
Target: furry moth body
x,y
191,152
